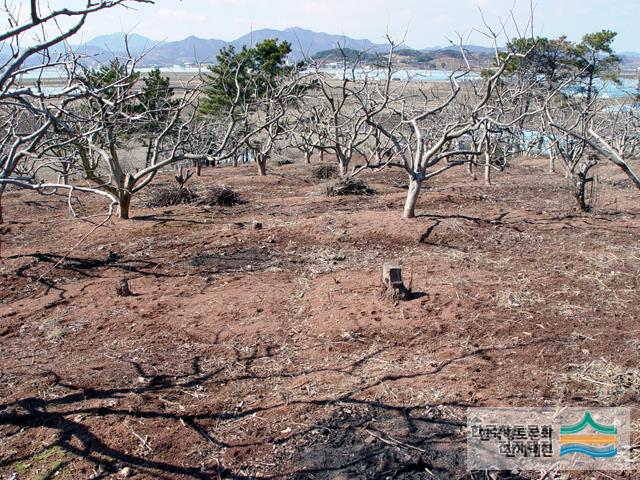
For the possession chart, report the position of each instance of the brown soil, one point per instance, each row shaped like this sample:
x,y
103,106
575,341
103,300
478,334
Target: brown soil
x,y
270,353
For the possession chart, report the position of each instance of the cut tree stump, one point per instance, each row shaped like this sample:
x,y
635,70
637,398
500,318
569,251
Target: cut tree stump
x,y
122,289
392,286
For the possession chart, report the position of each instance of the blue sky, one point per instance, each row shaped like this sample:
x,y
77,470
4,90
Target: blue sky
x,y
426,22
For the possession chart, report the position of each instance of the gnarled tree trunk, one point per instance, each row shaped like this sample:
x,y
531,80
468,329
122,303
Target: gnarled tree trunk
x,y
487,169
582,179
261,161
198,167
125,192
2,189
412,198
471,169
343,165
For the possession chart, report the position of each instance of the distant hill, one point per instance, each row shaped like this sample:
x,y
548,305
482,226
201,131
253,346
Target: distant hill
x,y
630,60
304,43
190,50
101,49
115,42
471,49
444,58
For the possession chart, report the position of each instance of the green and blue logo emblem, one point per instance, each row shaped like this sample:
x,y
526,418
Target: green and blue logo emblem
x,y
590,438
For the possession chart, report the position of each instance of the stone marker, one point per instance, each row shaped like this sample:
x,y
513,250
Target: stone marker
x,y
392,285
122,288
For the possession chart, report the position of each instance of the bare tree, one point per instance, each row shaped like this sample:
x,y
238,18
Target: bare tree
x,y
265,118
581,132
343,104
579,125
28,111
612,134
302,131
106,127
428,123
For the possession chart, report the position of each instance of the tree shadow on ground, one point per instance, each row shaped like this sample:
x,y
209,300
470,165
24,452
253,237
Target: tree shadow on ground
x,y
356,437
85,266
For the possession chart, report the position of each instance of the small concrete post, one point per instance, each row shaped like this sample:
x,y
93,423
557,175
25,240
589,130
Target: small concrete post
x,y
122,289
392,284
391,275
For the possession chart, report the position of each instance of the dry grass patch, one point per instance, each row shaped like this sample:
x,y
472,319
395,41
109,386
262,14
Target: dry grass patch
x,y
612,383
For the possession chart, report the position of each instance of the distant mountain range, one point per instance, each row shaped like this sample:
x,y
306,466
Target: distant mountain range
x,y
630,60
304,44
191,50
118,42
431,58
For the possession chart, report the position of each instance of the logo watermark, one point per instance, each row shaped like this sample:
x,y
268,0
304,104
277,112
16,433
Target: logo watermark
x,y
544,439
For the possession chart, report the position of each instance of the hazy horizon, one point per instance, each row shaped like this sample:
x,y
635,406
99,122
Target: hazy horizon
x,y
422,24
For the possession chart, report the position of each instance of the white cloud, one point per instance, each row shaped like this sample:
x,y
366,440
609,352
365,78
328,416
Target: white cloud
x,y
181,16
441,19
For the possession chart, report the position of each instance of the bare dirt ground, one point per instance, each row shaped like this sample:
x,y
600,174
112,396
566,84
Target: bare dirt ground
x,y
270,353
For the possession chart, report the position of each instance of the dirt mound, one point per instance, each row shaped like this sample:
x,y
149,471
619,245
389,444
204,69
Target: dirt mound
x,y
325,172
169,195
349,186
283,161
219,196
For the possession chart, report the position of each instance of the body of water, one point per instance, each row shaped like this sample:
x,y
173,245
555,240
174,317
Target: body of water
x,y
400,75
627,86
60,73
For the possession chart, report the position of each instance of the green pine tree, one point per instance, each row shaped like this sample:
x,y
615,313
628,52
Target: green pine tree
x,y
156,98
247,74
